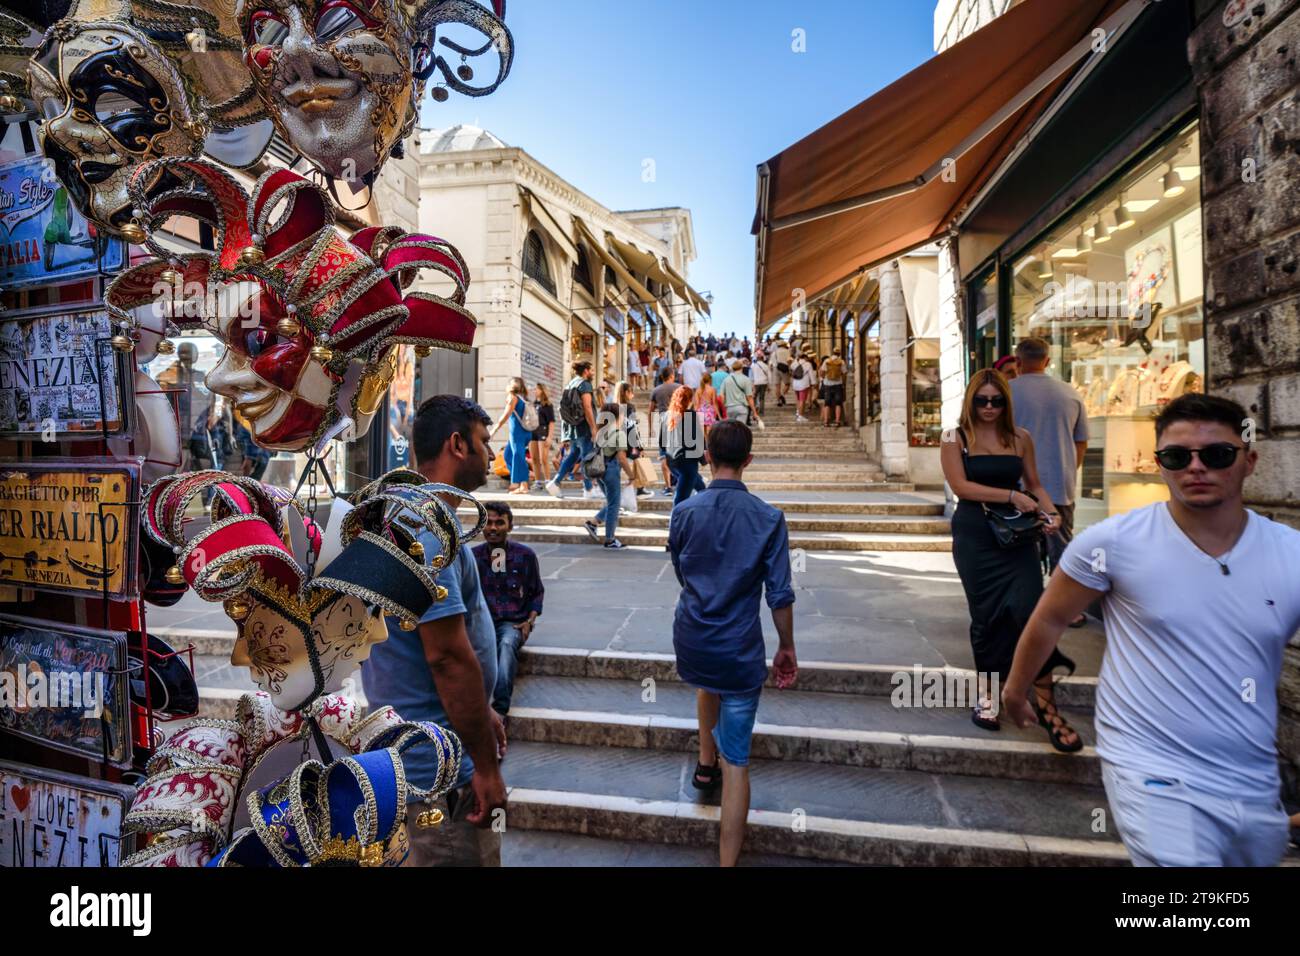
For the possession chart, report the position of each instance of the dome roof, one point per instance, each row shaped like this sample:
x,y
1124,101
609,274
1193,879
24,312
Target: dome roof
x,y
456,139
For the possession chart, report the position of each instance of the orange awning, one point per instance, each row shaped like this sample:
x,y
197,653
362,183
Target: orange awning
x,y
869,185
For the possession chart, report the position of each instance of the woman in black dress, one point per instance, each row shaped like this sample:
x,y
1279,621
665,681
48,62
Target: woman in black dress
x,y
990,460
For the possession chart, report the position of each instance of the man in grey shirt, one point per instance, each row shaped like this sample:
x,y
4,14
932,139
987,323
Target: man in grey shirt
x,y
1055,418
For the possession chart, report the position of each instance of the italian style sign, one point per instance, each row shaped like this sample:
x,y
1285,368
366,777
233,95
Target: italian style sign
x,y
60,378
43,239
66,687
69,527
57,819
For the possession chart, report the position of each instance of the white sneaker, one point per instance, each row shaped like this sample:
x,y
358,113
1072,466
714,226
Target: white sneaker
x,y
590,493
553,490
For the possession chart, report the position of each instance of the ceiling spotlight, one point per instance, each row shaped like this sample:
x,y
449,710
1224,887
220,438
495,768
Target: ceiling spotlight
x,y
1044,264
1122,218
1173,184
1099,233
1083,243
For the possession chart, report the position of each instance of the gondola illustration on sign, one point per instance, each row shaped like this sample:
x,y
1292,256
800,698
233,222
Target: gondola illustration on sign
x,y
69,527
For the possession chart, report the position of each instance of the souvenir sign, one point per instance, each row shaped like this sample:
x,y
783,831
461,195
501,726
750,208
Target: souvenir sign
x,y
43,238
49,818
69,527
54,370
65,687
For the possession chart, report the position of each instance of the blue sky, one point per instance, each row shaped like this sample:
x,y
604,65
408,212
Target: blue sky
x,y
707,90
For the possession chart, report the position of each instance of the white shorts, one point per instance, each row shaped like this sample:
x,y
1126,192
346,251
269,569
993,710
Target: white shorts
x,y
1165,823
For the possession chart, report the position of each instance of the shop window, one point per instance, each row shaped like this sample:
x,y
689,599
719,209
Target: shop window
x,y
581,273
984,330
926,398
535,265
1116,290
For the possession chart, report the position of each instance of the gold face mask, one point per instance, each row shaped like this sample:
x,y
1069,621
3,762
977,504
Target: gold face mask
x,y
343,79
115,89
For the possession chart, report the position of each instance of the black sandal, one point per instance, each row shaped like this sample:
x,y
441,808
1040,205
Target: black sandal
x,y
1050,718
985,723
706,777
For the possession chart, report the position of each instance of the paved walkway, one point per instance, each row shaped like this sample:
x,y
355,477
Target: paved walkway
x,y
895,608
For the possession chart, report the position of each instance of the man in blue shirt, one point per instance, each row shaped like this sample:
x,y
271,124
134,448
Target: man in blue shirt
x,y
727,547
445,670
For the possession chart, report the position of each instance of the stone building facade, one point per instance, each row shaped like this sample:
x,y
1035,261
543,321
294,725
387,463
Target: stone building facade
x,y
1244,58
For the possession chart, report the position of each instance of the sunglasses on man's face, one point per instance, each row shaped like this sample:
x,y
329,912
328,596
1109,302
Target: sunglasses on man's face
x,y
1216,456
989,401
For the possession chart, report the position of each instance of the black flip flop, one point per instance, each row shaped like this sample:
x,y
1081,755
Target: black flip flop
x,y
712,775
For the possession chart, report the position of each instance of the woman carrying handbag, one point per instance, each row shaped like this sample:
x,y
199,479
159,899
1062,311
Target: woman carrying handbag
x,y
996,533
523,419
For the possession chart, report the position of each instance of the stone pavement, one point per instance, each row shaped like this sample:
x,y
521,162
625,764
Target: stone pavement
x,y
893,608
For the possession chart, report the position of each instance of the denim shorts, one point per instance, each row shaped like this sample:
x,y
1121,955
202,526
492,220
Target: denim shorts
x,y
735,727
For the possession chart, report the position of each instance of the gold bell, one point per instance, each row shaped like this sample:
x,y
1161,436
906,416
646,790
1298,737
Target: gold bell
x,y
171,276
416,550
439,592
123,343
165,347
423,351
132,232
288,327
237,609
372,855
174,576
251,255
10,104
428,819
322,354
407,624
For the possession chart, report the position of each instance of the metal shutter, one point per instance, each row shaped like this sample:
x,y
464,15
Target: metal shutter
x,y
543,359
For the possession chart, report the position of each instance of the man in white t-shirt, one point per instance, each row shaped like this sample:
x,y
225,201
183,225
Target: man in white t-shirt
x,y
1200,598
692,370
761,372
781,365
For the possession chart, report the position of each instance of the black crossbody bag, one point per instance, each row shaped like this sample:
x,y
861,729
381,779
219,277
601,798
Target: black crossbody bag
x,y
1011,528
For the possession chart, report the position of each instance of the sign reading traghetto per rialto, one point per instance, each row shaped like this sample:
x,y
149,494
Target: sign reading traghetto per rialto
x,y
69,527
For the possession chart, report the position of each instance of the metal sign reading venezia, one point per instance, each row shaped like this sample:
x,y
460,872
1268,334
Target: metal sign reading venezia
x,y
68,527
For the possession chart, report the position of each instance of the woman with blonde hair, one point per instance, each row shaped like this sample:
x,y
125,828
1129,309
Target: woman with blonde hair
x,y
989,463
516,451
541,439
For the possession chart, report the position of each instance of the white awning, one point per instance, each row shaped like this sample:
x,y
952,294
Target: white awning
x,y
920,280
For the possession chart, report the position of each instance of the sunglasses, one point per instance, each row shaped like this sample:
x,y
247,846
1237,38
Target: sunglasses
x,y
1216,456
986,401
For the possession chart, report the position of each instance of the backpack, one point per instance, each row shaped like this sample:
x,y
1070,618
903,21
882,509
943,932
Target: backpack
x,y
571,406
797,374
529,418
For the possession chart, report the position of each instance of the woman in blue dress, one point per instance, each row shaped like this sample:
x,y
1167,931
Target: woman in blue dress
x,y
517,447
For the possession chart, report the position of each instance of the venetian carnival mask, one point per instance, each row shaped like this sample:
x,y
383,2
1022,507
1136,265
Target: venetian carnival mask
x,y
121,82
302,635
343,79
311,321
18,38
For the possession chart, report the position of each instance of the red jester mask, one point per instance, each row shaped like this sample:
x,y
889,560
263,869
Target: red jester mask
x,y
311,321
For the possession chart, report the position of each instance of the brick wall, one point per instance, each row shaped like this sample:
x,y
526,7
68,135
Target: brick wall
x,y
1245,61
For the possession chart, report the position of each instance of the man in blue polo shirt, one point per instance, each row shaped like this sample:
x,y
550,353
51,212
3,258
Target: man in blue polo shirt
x,y
727,547
445,670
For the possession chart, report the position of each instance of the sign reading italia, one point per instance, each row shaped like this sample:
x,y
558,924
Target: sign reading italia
x,y
43,239
69,527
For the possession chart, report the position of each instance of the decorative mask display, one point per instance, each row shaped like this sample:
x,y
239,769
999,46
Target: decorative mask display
x,y
302,636
311,320
343,79
187,804
121,82
18,38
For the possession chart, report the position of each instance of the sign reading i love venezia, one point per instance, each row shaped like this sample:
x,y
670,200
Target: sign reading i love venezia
x,y
69,527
